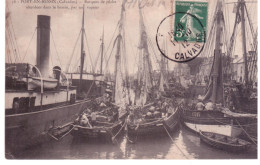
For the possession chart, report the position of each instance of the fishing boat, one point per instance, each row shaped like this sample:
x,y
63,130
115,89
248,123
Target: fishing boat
x,y
109,115
223,142
31,113
106,127
217,119
213,120
152,114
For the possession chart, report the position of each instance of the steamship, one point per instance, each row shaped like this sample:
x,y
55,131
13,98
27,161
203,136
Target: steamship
x,y
36,103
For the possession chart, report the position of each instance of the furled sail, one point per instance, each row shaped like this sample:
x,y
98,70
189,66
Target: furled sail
x,y
120,95
215,89
144,82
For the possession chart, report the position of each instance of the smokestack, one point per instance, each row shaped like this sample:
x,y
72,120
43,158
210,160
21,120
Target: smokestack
x,y
43,44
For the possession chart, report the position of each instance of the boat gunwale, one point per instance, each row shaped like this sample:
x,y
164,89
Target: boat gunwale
x,y
233,145
50,109
156,121
103,127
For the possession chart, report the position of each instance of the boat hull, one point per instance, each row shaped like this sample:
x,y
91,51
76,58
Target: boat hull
x,y
224,145
156,128
29,129
209,121
105,134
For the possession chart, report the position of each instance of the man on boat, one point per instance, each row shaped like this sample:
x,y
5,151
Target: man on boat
x,y
200,106
84,121
93,118
209,106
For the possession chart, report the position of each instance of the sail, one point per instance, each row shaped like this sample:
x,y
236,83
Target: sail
x,y
161,88
144,82
120,95
215,88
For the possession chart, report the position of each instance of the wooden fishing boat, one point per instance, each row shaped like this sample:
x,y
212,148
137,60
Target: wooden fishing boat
x,y
153,127
212,118
109,123
215,121
109,120
102,131
223,142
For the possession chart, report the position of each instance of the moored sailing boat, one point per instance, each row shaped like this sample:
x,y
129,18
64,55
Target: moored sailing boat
x,y
215,117
149,117
106,120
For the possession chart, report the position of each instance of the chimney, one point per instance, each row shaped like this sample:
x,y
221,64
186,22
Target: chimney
x,y
43,44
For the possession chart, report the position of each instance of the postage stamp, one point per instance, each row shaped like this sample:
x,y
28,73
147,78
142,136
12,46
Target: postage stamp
x,y
188,24
186,34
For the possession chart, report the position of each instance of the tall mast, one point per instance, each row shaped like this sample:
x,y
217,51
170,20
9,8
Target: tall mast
x,y
217,52
144,45
242,5
102,52
119,40
82,50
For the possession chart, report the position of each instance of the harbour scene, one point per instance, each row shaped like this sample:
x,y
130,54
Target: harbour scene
x,y
131,79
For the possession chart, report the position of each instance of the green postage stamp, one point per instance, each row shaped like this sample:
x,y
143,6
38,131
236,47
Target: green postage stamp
x,y
190,23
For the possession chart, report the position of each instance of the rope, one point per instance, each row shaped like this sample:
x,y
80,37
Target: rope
x,y
132,141
14,34
174,142
69,62
29,45
119,131
93,70
246,133
55,48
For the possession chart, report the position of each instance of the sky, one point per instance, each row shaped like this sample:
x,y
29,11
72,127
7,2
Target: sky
x,y
66,25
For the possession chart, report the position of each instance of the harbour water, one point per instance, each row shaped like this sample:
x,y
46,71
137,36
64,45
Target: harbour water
x,y
185,145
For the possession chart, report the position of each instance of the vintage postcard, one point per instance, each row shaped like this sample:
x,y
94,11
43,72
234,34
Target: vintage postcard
x,y
131,79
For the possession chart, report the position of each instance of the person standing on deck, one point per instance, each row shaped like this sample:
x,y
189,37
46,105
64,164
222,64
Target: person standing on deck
x,y
93,118
200,106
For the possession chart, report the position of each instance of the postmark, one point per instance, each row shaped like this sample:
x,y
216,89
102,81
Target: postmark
x,y
183,32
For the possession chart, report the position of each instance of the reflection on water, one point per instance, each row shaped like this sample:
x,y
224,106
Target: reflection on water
x,y
148,148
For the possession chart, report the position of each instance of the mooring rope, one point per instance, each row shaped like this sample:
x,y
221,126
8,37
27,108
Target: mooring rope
x,y
174,142
246,133
119,131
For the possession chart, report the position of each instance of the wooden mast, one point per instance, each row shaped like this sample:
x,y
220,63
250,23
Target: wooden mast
x,y
217,52
102,52
242,6
82,51
119,40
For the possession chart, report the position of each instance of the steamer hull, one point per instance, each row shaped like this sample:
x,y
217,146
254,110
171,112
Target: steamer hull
x,y
29,129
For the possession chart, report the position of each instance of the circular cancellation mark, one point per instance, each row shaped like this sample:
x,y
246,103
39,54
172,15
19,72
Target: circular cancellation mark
x,y
180,41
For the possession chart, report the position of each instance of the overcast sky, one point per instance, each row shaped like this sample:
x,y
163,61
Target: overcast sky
x,y
66,25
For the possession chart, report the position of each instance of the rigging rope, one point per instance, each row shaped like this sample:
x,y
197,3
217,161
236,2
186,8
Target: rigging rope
x,y
69,62
93,70
8,56
29,45
14,35
55,48
12,44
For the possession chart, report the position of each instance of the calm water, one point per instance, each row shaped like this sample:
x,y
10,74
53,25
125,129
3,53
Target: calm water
x,y
152,148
